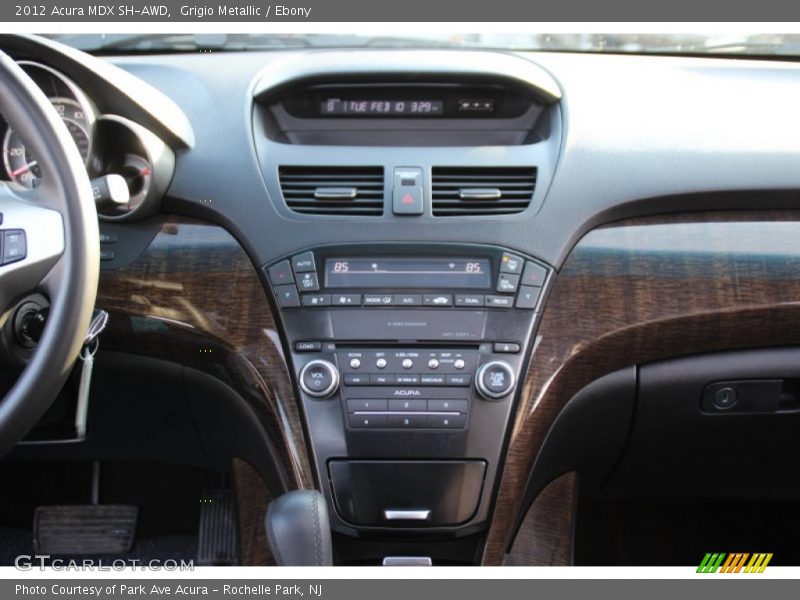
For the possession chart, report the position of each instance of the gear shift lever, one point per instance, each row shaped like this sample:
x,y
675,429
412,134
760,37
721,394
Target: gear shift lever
x,y
298,530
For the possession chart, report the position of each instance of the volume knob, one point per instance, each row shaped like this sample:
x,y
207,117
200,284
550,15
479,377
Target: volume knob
x,y
495,380
319,378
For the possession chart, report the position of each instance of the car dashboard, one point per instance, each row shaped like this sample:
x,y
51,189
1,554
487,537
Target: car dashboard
x,y
443,287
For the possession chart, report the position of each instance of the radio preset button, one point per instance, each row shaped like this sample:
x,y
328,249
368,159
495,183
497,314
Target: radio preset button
x,y
408,405
381,363
447,406
356,405
407,421
454,421
367,421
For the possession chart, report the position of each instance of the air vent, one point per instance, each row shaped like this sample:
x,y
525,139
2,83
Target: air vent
x,y
354,191
466,191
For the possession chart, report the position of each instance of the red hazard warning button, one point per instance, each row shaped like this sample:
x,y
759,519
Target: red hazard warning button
x,y
407,200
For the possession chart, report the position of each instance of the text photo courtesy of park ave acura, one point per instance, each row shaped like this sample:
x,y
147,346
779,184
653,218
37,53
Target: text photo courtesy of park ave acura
x,y
156,590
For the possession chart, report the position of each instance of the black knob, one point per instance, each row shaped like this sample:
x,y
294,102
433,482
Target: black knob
x,y
495,380
29,323
319,378
725,398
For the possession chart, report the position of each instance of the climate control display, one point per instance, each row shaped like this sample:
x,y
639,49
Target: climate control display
x,y
408,272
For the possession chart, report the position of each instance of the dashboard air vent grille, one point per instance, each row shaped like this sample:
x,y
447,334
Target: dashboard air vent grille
x,y
467,191
353,191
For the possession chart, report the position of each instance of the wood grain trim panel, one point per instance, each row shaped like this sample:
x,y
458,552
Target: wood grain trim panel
x,y
545,536
195,298
252,499
644,290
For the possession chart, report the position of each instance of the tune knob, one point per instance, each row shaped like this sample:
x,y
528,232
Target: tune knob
x,y
319,378
495,380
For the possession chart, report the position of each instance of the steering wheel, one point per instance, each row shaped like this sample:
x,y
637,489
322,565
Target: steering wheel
x,y
61,254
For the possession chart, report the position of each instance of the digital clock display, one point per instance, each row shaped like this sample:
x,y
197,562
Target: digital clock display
x,y
390,108
407,273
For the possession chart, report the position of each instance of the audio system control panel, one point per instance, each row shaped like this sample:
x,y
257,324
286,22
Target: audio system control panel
x,y
404,353
407,389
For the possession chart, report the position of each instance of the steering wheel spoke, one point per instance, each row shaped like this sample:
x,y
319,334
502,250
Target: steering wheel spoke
x,y
31,242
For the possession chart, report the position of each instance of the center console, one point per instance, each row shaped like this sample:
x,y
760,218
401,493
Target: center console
x,y
407,361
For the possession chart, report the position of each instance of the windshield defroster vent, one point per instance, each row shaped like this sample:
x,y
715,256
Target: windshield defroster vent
x,y
352,191
469,191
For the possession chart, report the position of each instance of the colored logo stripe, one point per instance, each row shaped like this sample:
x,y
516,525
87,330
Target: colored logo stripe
x,y
734,562
758,563
711,562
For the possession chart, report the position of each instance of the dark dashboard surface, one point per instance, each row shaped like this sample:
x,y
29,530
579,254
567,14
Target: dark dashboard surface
x,y
400,256
623,150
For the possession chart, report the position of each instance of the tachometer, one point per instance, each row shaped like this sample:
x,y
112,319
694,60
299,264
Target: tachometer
x,y
22,167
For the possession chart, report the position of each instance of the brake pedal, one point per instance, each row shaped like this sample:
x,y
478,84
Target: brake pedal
x,y
84,529
217,539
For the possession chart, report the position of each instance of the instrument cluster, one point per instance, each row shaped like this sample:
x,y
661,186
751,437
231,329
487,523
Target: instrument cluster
x,y
130,167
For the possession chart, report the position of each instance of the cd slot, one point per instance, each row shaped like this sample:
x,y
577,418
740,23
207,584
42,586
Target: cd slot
x,y
392,324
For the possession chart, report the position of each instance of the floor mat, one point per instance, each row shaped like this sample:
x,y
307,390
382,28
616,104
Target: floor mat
x,y
19,542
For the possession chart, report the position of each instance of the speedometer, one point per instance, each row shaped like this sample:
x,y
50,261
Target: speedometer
x,y
22,167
